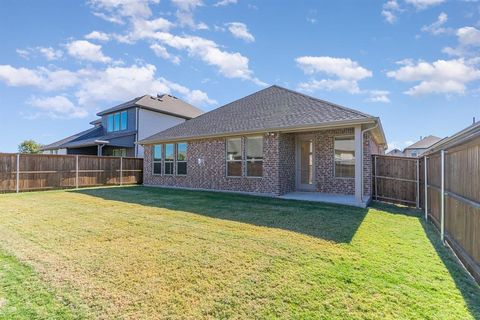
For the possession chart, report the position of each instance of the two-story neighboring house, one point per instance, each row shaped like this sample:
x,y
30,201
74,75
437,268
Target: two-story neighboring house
x,y
419,147
120,127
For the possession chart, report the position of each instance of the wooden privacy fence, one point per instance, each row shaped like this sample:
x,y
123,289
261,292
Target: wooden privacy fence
x,y
29,172
453,198
446,184
397,179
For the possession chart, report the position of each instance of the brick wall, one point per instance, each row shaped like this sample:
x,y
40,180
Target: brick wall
x,y
211,173
278,167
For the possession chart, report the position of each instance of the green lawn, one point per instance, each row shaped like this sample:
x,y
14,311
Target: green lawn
x,y
138,252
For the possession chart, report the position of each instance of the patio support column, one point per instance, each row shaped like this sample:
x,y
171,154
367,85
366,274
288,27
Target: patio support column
x,y
358,164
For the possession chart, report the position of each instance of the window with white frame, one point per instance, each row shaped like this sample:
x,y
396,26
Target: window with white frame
x,y
169,158
181,158
157,158
254,156
234,157
344,157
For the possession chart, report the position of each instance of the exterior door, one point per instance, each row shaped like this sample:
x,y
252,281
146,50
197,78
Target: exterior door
x,y
304,163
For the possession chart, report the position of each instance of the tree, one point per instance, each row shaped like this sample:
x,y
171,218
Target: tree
x,y
29,146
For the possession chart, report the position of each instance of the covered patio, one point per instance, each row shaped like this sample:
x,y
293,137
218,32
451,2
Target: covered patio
x,y
343,199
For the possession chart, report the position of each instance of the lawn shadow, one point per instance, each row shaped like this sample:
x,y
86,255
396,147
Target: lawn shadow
x,y
330,222
463,280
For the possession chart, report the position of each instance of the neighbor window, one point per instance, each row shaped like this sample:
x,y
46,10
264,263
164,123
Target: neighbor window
x,y
169,158
119,152
110,123
254,146
234,157
157,158
344,157
123,120
182,158
117,121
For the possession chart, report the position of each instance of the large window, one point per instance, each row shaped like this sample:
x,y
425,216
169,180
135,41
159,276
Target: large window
x,y
234,157
181,158
344,157
157,159
169,158
254,146
117,121
123,120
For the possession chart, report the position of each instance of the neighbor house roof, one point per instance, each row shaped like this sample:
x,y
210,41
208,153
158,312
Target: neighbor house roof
x,y
92,141
424,143
164,103
271,109
92,132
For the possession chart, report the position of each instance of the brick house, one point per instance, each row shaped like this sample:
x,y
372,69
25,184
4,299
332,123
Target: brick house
x,y
275,142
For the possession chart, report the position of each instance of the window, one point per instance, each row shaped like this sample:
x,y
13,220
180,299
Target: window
x,y
117,121
254,146
344,157
119,152
234,157
169,158
123,120
110,123
157,158
182,158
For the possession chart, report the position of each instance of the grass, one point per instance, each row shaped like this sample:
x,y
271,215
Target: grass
x,y
138,252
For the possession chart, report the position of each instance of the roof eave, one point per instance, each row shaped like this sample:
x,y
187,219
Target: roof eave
x,y
322,126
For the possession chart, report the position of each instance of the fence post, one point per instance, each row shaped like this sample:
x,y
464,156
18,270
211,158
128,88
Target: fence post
x,y
18,173
442,199
375,177
418,184
426,188
121,170
76,171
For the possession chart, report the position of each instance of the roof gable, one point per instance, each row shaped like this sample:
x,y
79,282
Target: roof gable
x,y
272,109
424,143
165,103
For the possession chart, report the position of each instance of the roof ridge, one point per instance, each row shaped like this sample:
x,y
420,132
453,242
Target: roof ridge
x,y
324,101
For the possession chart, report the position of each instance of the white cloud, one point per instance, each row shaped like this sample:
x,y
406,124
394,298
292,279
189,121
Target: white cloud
x,y
97,35
161,51
50,53
57,107
85,50
240,30
389,10
184,13
116,9
341,67
25,54
42,78
330,85
437,27
112,84
441,76
223,3
347,73
423,4
123,83
379,96
468,43
231,65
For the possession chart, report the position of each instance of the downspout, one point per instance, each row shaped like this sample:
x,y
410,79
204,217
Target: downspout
x,y
364,131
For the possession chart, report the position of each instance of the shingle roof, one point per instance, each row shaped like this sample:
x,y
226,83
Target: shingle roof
x,y
92,132
269,109
93,140
425,143
165,104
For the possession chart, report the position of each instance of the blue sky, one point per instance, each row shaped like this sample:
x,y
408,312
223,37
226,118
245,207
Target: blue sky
x,y
414,63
